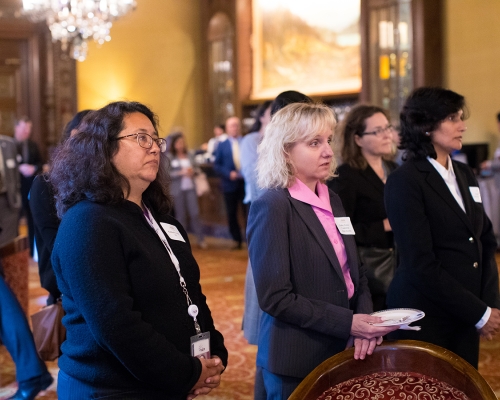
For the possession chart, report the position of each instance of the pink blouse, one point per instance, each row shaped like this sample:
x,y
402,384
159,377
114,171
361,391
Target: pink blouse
x,y
323,209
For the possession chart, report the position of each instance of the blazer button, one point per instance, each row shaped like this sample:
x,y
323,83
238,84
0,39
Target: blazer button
x,y
471,239
475,265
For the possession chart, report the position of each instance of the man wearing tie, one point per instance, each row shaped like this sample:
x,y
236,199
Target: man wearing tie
x,y
30,164
227,166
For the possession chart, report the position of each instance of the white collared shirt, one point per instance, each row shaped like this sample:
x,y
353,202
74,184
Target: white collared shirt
x,y
448,174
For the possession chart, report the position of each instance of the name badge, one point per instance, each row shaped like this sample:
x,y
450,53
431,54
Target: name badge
x,y
10,163
344,225
476,195
200,345
172,232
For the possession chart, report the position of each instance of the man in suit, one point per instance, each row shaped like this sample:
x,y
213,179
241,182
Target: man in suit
x,y
15,333
30,164
227,166
10,196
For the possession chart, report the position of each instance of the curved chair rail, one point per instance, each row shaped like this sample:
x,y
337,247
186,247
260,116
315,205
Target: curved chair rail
x,y
397,356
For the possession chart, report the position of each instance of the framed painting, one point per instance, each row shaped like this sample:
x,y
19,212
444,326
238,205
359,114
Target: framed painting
x,y
312,46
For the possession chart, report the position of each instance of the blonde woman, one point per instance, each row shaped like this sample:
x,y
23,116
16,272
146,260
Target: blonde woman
x,y
309,284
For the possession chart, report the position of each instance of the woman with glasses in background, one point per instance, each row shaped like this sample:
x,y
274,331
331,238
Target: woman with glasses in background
x,y
125,268
367,146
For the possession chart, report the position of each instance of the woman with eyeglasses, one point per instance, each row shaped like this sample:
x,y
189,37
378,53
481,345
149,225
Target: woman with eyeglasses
x,y
138,325
367,146
445,240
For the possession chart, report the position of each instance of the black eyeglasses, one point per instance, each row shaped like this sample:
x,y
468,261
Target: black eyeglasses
x,y
379,131
146,141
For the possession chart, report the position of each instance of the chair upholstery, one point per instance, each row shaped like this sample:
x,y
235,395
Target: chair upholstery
x,y
413,356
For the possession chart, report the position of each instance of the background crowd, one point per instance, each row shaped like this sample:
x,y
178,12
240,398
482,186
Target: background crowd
x,y
328,245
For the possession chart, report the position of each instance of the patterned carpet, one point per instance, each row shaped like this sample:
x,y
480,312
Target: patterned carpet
x,y
223,276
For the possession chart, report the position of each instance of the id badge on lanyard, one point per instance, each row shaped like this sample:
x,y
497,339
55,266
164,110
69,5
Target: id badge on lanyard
x,y
200,343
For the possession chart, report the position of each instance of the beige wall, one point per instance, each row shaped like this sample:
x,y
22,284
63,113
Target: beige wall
x,y
154,58
472,62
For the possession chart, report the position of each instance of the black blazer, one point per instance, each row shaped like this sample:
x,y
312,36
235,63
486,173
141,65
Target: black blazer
x,y
300,286
362,195
447,257
46,222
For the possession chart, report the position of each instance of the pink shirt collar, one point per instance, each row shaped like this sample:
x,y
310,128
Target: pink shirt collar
x,y
301,192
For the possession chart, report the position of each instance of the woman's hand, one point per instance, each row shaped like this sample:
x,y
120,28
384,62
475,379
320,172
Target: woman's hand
x,y
387,225
365,336
209,378
362,327
362,347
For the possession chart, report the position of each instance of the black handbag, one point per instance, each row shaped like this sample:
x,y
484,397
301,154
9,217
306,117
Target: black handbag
x,y
380,266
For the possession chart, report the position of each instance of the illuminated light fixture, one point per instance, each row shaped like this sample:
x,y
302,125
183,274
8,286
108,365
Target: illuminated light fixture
x,y
73,22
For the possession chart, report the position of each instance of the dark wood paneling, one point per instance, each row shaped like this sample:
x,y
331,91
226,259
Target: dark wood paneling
x,y
208,9
244,51
47,78
428,42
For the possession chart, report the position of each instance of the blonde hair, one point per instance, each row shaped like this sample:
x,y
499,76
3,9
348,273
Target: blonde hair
x,y
294,123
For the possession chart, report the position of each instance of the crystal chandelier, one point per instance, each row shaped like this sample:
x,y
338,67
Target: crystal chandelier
x,y
73,22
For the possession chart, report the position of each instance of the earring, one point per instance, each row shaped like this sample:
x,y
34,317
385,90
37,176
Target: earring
x,y
427,134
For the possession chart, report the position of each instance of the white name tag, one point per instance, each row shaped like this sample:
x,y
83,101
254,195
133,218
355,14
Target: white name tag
x,y
172,232
476,195
344,225
10,163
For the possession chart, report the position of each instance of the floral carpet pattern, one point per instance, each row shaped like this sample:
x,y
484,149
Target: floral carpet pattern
x,y
223,278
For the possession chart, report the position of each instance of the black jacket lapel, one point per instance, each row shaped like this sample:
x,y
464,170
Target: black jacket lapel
x,y
309,217
437,183
372,179
465,191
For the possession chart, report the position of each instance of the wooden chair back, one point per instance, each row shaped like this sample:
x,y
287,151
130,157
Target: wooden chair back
x,y
397,356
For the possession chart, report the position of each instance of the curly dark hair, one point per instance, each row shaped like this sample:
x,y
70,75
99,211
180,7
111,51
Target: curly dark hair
x,y
422,113
355,124
82,167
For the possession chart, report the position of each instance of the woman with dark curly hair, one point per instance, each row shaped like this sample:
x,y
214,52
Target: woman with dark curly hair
x,y
445,240
135,312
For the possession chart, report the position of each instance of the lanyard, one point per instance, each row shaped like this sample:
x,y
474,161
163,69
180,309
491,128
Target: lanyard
x,y
192,308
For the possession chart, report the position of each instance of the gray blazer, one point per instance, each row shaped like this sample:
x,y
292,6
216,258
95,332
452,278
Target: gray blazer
x,y
10,168
300,286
